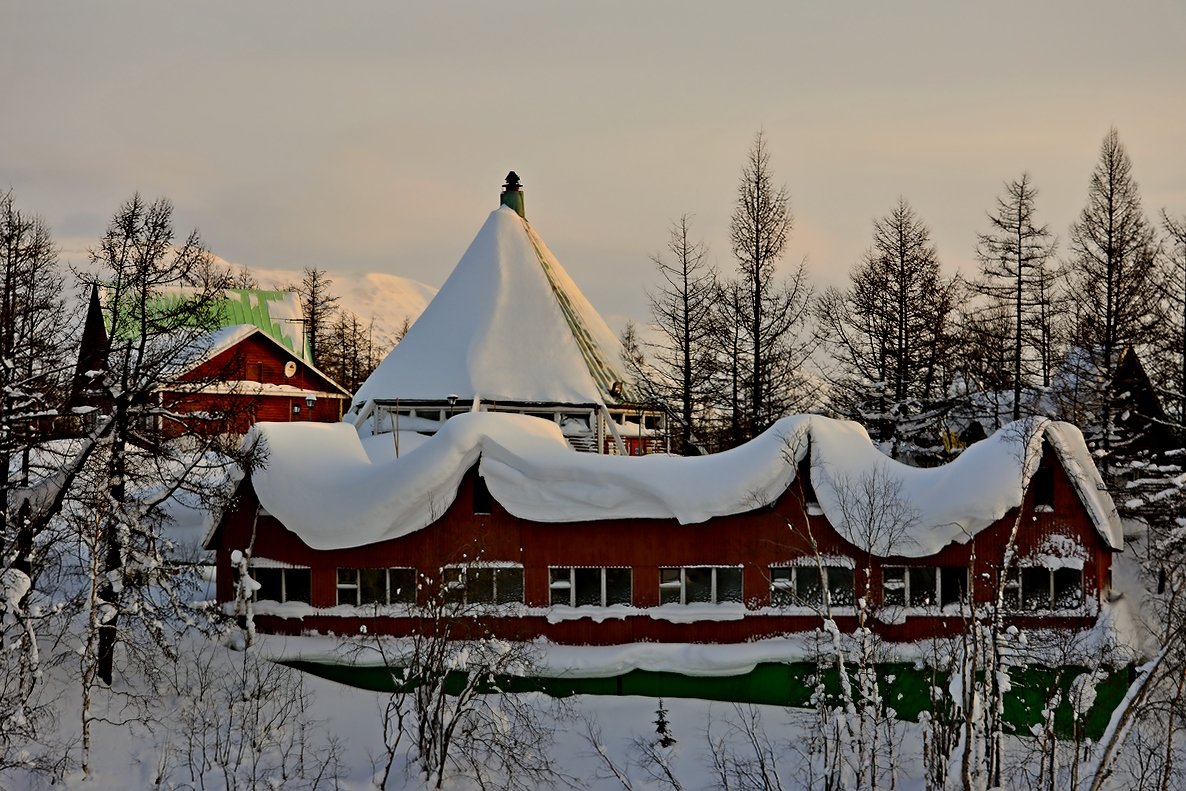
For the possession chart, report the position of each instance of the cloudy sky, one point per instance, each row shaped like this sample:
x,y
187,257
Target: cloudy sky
x,y
374,136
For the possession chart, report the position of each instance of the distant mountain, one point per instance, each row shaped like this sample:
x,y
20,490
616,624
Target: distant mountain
x,y
388,299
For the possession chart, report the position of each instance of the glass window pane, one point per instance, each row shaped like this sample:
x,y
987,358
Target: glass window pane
x,y
560,586
372,586
588,587
509,584
618,586
453,582
1012,597
697,584
808,590
840,585
922,586
347,576
269,584
479,586
729,585
953,584
782,594
1035,588
297,585
403,585
894,585
670,585
1068,588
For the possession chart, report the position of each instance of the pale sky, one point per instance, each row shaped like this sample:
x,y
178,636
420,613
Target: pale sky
x,y
374,136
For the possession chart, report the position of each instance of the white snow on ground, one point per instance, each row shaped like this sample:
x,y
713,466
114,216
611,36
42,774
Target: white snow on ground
x,y
497,330
532,472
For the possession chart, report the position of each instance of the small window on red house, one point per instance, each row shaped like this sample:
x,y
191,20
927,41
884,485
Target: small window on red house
x,y
483,501
1042,485
282,584
255,372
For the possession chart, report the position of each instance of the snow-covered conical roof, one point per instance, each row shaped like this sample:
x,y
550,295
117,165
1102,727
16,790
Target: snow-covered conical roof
x,y
508,325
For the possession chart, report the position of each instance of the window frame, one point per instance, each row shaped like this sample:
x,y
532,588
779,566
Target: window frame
x,y
554,586
827,593
714,584
1021,603
934,591
388,588
460,574
283,571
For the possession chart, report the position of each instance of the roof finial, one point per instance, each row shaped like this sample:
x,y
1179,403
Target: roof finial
x,y
511,195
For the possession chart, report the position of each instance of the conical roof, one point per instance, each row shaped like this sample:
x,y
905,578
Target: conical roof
x,y
508,325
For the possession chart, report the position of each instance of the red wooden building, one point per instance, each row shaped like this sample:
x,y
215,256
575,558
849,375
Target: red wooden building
x,y
534,540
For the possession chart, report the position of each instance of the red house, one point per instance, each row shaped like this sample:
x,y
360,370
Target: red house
x,y
444,483
256,367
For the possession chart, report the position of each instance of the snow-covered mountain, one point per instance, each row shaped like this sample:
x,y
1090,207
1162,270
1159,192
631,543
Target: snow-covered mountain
x,y
388,299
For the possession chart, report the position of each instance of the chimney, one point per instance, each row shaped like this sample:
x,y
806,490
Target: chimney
x,y
511,195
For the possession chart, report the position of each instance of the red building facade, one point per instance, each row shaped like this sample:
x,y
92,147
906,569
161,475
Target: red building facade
x,y
739,577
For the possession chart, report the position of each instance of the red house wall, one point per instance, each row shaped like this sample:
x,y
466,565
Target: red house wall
x,y
755,540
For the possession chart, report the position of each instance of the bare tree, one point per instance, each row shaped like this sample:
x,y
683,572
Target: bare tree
x,y
682,312
448,697
319,305
772,313
1014,258
1174,294
1113,269
891,332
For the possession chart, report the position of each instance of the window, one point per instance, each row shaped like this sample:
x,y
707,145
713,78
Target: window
x,y
699,584
482,498
377,586
1045,589
282,584
590,587
803,586
1042,485
483,584
923,586
953,585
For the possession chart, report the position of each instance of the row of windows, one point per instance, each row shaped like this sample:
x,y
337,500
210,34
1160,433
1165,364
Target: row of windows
x,y
1026,589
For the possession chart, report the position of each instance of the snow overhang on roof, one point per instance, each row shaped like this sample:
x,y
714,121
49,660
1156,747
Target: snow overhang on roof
x,y
335,489
508,325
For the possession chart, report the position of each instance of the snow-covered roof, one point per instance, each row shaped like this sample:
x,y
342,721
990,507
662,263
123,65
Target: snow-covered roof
x,y
509,325
531,471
